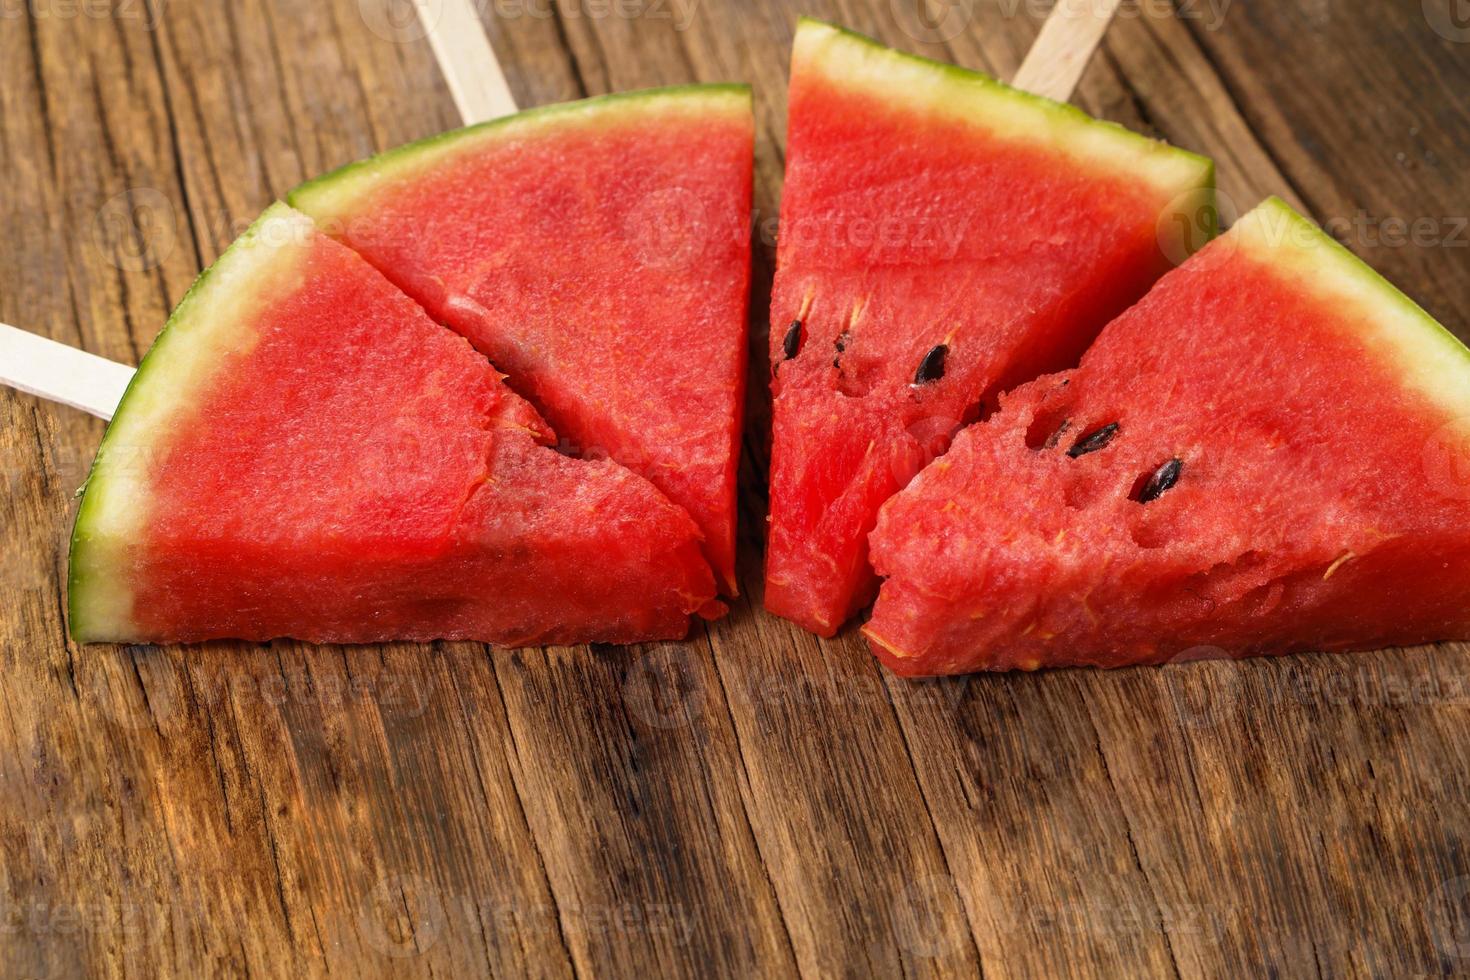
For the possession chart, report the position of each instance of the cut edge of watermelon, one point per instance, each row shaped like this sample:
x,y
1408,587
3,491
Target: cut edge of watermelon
x,y
332,194
333,199
859,62
178,365
1429,358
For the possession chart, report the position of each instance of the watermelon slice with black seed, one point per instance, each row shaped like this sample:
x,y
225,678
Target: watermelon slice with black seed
x,y
598,253
305,453
942,238
1267,454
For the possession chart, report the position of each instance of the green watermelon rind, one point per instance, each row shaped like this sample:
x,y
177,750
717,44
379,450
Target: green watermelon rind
x,y
92,614
1428,357
1169,167
326,197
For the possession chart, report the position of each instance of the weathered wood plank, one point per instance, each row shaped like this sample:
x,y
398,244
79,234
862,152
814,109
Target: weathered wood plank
x,y
753,800
268,806
1187,828
844,829
629,772
820,805
1369,122
91,257
610,906
1030,780
1277,805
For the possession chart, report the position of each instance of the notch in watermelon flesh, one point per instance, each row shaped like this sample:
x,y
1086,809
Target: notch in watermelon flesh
x,y
1286,469
305,453
598,252
943,237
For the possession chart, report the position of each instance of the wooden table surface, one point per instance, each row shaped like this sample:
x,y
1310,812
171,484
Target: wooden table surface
x,y
754,801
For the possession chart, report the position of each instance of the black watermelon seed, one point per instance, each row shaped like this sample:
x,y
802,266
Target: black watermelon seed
x,y
1056,437
931,368
840,346
1093,441
791,344
1160,480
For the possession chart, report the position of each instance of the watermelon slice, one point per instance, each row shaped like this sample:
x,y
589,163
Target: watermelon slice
x,y
305,453
943,237
598,253
1266,455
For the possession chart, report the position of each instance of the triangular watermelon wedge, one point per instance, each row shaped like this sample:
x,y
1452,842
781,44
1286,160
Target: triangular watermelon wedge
x,y
943,237
1267,454
598,253
305,453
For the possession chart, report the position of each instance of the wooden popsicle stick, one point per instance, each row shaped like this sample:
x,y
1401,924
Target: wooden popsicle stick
x,y
94,384
466,59
1071,34
61,373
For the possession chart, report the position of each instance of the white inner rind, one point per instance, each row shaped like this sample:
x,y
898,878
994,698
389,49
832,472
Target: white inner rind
x,y
854,62
337,196
1429,359
211,328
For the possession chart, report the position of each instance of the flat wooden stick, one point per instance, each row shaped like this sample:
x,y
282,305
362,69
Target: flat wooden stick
x,y
1071,34
94,384
466,58
61,373
72,377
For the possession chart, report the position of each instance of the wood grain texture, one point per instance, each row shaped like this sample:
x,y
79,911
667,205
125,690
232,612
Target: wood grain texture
x,y
754,801
1064,47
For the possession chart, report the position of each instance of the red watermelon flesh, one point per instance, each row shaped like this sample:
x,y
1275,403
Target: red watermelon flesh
x,y
1312,422
598,253
305,453
932,213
